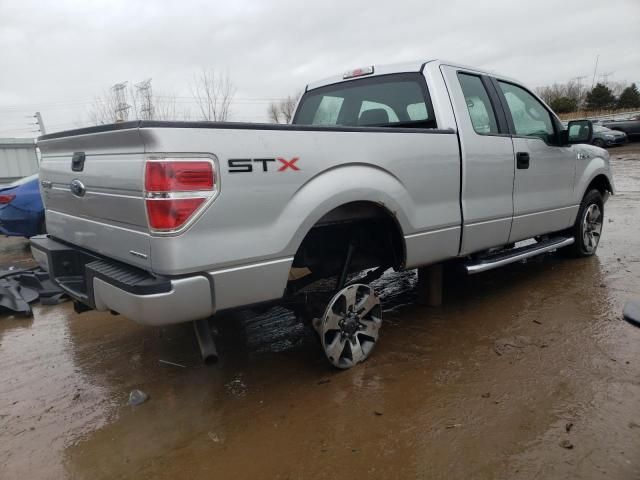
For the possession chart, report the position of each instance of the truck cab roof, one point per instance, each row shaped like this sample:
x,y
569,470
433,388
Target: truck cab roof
x,y
415,66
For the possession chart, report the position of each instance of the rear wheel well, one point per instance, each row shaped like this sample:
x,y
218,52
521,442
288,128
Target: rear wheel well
x,y
374,232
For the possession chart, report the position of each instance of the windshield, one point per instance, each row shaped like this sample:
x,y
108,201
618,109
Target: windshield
x,y
399,100
598,128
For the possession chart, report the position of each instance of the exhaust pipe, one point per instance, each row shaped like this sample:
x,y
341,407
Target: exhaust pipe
x,y
208,349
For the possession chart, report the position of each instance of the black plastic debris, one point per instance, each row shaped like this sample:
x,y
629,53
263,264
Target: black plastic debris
x,y
632,312
20,288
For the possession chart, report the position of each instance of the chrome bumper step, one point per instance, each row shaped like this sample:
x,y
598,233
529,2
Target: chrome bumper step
x,y
517,254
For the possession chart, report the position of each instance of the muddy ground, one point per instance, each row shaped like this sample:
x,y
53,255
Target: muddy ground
x,y
517,362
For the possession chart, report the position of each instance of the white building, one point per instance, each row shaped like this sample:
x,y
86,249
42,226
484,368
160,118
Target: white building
x,y
18,158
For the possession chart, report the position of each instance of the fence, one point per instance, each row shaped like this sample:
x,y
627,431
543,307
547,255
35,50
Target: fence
x,y
615,114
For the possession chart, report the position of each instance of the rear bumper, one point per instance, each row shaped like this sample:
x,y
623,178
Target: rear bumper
x,y
104,284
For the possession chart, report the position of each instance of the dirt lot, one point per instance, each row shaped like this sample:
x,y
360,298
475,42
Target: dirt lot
x,y
517,361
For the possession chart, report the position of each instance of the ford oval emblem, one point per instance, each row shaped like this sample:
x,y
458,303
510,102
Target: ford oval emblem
x,y
77,188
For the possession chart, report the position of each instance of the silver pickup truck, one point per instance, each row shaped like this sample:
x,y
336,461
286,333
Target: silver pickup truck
x,y
398,166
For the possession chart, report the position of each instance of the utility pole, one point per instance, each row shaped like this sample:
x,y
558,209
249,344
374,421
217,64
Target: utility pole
x,y
38,118
579,81
122,107
593,81
145,94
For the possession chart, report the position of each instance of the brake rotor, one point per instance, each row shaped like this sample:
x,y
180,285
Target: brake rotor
x,y
350,326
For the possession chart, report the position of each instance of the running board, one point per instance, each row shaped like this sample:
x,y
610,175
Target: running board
x,y
517,254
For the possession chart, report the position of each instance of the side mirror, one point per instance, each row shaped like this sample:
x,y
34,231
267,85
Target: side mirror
x,y
579,131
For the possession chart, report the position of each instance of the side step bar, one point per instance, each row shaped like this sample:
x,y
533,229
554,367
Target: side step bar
x,y
517,254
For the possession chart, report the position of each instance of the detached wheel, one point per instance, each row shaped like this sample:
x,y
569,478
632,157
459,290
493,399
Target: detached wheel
x,y
588,227
350,326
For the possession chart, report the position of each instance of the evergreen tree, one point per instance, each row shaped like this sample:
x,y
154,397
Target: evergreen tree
x,y
564,105
600,97
630,97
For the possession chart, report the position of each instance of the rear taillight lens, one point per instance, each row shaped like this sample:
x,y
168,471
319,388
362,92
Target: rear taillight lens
x,y
179,176
4,199
176,189
169,214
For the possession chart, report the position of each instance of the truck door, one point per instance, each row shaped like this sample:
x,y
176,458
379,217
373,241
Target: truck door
x,y
487,160
544,175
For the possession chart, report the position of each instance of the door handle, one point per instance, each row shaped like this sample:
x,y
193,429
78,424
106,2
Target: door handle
x,y
522,160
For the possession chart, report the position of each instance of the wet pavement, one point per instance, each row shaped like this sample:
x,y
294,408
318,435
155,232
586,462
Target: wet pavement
x,y
526,372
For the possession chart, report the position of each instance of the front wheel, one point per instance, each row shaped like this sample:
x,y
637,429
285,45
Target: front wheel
x,y
599,142
588,227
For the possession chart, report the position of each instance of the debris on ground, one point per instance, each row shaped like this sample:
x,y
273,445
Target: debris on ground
x,y
378,413
214,437
137,397
21,287
566,444
568,426
631,312
167,362
453,425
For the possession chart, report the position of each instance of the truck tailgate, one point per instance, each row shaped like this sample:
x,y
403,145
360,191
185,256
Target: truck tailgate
x,y
98,202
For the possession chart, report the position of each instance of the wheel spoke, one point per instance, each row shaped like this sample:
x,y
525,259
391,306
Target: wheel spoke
x,y
350,297
366,304
371,327
332,321
335,349
357,354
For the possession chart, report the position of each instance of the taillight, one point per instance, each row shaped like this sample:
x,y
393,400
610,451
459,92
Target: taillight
x,y
175,189
168,176
8,198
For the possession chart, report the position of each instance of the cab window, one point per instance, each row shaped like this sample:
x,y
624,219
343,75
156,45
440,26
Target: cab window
x,y
530,117
395,100
479,106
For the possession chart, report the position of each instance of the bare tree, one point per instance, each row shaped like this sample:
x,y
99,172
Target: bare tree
x,y
282,111
573,90
105,108
213,93
166,108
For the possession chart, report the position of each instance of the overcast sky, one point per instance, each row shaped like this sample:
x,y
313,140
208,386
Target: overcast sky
x,y
57,56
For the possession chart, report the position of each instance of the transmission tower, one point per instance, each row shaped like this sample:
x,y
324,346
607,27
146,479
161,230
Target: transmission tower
x,y
122,107
605,77
145,94
578,81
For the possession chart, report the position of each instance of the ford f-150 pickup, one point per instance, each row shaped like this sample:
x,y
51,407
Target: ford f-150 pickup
x,y
399,166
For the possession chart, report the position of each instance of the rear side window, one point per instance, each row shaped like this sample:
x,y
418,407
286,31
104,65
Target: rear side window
x,y
479,106
530,118
398,100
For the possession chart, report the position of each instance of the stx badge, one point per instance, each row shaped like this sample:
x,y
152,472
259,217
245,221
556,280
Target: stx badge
x,y
246,165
